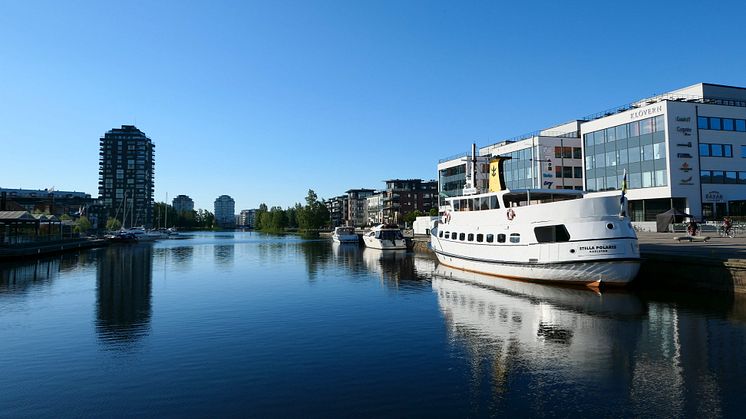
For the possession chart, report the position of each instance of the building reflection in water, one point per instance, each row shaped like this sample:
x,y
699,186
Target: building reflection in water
x,y
397,268
124,285
18,277
224,254
317,254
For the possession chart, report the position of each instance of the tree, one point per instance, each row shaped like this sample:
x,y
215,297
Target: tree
x,y
83,224
409,218
314,215
65,217
433,212
113,224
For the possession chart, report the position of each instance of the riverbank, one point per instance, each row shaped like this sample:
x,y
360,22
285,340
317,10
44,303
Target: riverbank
x,y
33,250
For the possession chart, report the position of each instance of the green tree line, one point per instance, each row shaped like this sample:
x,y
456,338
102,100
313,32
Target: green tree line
x,y
306,218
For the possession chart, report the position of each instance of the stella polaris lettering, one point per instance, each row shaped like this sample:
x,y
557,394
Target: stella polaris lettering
x,y
645,112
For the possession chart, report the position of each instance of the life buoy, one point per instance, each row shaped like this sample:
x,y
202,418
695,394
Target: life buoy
x,y
511,214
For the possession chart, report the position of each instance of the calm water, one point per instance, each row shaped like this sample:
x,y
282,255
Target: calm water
x,y
251,325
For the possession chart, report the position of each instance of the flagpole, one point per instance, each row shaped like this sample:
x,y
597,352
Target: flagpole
x,y
622,212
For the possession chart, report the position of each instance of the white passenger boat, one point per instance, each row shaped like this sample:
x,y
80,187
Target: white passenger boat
x,y
385,237
537,235
145,235
345,235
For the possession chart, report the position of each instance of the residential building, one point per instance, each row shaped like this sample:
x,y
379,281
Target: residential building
x,y
183,203
247,218
403,196
374,209
337,207
126,166
225,209
357,204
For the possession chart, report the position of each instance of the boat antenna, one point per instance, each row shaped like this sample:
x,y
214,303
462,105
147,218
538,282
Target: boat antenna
x,y
470,188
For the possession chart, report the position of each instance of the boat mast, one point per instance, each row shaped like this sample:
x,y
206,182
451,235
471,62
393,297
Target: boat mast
x,y
166,209
470,188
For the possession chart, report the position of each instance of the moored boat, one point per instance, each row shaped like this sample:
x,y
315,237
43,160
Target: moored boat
x,y
537,234
345,235
385,237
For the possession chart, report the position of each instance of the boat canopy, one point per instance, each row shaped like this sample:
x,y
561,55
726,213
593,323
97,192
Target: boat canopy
x,y
513,198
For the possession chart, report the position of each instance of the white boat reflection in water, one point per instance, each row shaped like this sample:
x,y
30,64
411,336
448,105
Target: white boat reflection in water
x,y
575,330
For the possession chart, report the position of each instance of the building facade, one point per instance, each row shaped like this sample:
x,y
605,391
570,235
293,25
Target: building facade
x,y
225,209
126,166
45,201
685,149
357,204
247,218
183,203
403,196
337,207
374,209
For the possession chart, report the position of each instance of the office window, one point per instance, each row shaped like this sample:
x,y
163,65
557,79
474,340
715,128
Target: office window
x,y
661,178
716,150
743,151
660,123
702,123
704,150
742,177
740,125
558,171
577,153
567,172
731,177
727,150
715,123
578,172
728,124
718,176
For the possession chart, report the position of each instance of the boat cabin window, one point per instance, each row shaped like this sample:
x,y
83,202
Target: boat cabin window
x,y
476,204
490,238
501,238
480,238
515,238
520,199
470,237
484,203
552,234
461,236
493,202
440,234
448,234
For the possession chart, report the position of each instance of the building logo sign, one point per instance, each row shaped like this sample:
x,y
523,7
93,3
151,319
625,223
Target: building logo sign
x,y
642,113
713,196
689,144
683,119
685,167
548,184
685,131
684,155
687,181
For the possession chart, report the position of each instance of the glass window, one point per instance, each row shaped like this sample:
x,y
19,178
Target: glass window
x,y
647,179
611,182
728,124
567,172
611,159
589,159
659,151
557,152
461,236
716,150
705,176
501,238
660,178
493,202
635,180
490,238
634,154
704,150
440,234
448,235
600,184
715,123
567,152
621,156
598,137
578,172
740,125
470,237
577,153
702,123
718,176
743,151
730,177
515,238
610,135
480,238
741,177
647,152
621,132
634,129
660,124
588,139
646,126
727,150
558,171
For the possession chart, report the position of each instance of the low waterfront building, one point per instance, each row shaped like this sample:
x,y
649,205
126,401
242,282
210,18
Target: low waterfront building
x,y
182,204
45,200
225,209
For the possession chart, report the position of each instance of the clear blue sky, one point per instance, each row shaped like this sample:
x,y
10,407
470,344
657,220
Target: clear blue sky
x,y
264,100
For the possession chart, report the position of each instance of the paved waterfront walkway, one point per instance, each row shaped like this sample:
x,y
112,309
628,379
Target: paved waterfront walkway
x,y
719,248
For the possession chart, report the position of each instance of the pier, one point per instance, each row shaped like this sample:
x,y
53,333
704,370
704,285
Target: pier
x,y
31,250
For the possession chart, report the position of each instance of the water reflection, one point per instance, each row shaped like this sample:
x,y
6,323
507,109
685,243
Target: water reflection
x,y
396,266
317,254
123,294
18,277
224,254
649,358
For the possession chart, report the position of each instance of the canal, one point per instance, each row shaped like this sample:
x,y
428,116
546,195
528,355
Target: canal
x,y
246,324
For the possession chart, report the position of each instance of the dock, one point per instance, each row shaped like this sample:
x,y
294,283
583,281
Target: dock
x,y
32,250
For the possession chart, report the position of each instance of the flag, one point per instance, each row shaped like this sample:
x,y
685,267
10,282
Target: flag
x,y
622,212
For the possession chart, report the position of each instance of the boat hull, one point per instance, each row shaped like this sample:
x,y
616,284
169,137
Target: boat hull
x,y
375,243
346,239
614,272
